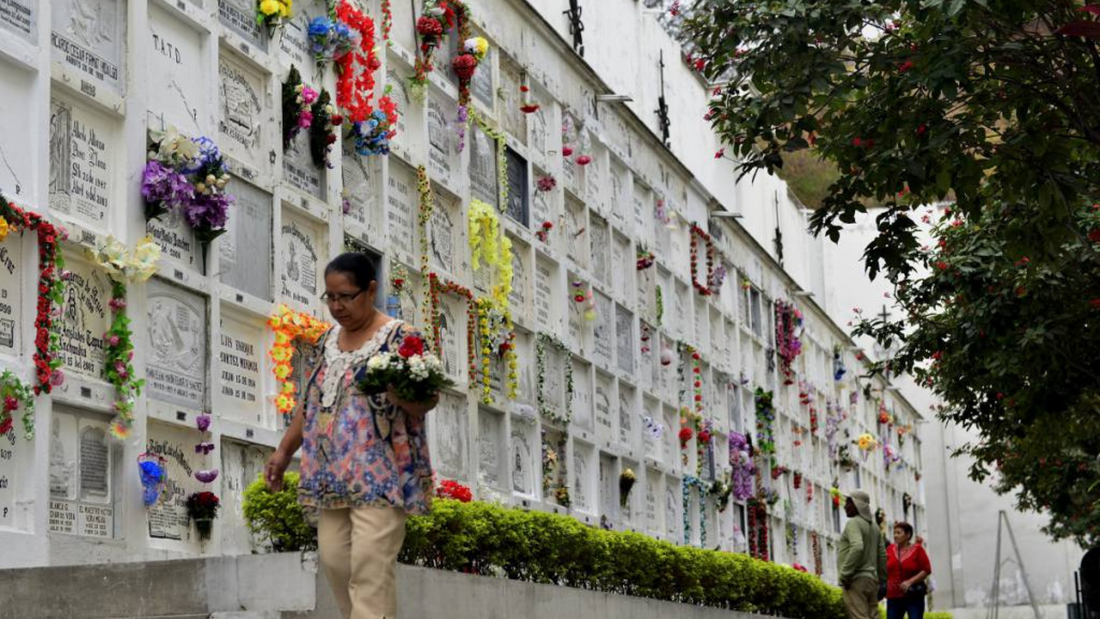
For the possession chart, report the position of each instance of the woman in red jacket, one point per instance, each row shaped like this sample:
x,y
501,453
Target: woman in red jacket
x,y
907,567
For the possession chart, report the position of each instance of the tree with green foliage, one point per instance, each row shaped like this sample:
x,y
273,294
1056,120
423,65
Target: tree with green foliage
x,y
994,106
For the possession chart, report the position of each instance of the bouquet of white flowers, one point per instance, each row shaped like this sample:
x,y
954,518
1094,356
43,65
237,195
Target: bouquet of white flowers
x,y
414,374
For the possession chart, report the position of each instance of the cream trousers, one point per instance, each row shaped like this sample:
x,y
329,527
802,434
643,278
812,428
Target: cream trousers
x,y
358,549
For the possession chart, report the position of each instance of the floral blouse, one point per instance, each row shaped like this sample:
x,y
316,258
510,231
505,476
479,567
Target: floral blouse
x,y
359,450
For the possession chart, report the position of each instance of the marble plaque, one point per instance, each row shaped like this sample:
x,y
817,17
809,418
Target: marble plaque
x,y
20,17
601,246
445,239
653,430
569,173
652,498
168,519
680,305
618,198
176,240
452,335
518,188
642,226
627,414
9,477
609,488
490,432
624,339
624,267
540,131
542,206
553,393
11,296
89,37
523,460
294,39
673,508
481,87
603,334
177,74
403,206
702,322
240,17
240,356
605,425
577,330
362,193
241,465
400,95
576,233
245,249
545,281
81,479
176,366
451,433
582,395
483,166
518,297
84,319
242,96
83,163
16,169
583,476
594,178
442,138
299,169
304,255
512,117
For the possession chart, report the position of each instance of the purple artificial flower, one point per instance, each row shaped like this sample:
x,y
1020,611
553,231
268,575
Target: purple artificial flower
x,y
206,477
164,186
202,422
207,211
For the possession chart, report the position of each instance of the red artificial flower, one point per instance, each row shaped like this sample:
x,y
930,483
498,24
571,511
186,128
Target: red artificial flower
x,y
941,265
584,160
337,120
704,437
6,424
428,27
905,66
524,89
546,225
700,64
566,151
464,66
398,282
578,298
721,152
698,398
10,404
922,129
857,142
530,108
686,434
411,346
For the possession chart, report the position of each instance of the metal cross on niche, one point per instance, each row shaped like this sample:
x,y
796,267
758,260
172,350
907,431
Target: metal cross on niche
x,y
662,107
576,26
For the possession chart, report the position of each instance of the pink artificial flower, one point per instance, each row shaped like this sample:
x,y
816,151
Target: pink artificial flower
x,y
584,160
114,340
305,119
57,378
309,95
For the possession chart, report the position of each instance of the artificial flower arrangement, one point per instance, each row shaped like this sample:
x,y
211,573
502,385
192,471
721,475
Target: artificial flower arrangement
x,y
273,13
372,135
646,258
547,183
290,326
543,233
16,395
626,484
453,490
330,39
788,324
415,374
153,473
526,106
202,509
836,496
123,267
465,64
582,295
744,469
298,102
204,447
702,285
438,18
52,276
188,175
322,129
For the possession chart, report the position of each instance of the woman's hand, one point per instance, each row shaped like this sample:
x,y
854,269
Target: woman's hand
x,y
905,584
416,409
275,469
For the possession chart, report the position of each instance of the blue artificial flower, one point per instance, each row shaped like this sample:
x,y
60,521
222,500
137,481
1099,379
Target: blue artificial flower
x,y
320,26
342,30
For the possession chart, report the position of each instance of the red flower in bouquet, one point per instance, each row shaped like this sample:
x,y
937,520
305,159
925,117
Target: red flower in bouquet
x,y
6,424
686,434
428,27
464,66
566,151
704,437
454,490
411,346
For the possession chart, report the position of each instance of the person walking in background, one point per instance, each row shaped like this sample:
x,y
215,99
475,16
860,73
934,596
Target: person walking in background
x,y
907,568
365,462
861,559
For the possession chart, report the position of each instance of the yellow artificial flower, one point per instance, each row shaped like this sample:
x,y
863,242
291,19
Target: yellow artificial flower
x,y
288,388
866,441
283,402
282,372
269,7
143,261
478,46
280,354
4,228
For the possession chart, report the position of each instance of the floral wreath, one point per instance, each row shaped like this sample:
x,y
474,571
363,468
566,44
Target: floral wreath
x,y
123,267
355,70
289,326
16,395
51,291
490,245
437,286
703,487
702,288
542,340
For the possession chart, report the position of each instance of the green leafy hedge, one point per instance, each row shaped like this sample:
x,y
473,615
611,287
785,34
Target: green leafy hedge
x,y
490,540
276,517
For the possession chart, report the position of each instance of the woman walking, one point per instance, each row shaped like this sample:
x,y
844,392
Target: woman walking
x,y
365,463
907,567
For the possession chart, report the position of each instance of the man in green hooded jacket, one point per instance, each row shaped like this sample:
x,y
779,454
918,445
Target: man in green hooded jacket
x,y
861,559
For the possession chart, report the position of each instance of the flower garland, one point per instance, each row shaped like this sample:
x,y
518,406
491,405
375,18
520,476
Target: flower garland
x,y
290,326
322,130
660,302
51,292
788,320
123,267
437,286
297,99
424,213
497,337
701,288
355,70
815,545
273,13
387,21
542,340
490,245
502,153
758,529
16,395
432,27
703,487
765,421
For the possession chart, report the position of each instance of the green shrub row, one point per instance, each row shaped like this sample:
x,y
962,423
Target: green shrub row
x,y
490,540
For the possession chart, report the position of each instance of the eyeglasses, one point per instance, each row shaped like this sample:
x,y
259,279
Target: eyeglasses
x,y
339,299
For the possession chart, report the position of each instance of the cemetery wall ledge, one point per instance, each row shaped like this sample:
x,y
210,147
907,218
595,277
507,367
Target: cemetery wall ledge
x,y
287,586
